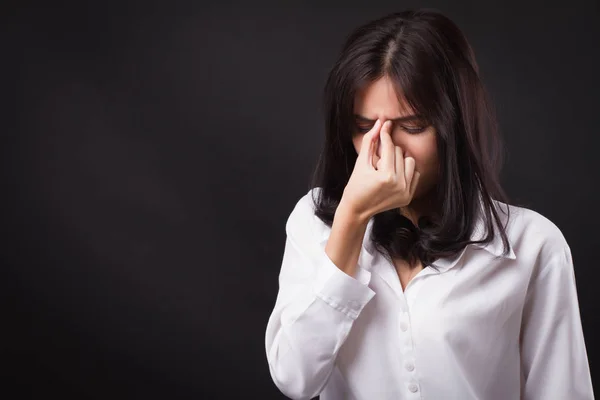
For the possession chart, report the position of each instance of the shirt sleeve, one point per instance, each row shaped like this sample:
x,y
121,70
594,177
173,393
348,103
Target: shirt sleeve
x,y
315,308
553,353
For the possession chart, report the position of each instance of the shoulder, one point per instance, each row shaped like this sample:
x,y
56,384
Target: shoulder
x,y
305,206
302,220
530,222
534,234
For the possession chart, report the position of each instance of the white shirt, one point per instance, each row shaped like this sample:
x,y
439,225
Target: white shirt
x,y
480,328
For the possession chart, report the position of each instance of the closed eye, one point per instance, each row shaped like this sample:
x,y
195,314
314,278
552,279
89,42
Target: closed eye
x,y
414,130
408,129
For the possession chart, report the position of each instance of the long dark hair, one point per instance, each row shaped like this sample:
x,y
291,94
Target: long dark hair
x,y
431,63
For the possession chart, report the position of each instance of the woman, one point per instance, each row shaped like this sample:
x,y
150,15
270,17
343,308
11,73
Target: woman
x,y
406,274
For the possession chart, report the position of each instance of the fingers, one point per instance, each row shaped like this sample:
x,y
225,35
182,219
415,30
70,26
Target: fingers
x,y
366,148
387,147
414,182
399,163
405,169
411,175
409,169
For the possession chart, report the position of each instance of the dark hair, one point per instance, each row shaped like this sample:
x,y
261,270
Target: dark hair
x,y
430,62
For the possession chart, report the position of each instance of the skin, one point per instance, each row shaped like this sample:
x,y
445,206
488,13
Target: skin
x,y
379,100
415,138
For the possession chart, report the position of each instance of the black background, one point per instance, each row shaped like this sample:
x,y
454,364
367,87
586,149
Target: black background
x,y
152,153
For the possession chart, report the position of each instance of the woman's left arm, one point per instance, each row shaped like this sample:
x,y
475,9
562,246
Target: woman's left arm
x,y
553,353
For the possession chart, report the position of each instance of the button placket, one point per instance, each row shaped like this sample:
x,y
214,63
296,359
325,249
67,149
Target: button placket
x,y
404,327
408,362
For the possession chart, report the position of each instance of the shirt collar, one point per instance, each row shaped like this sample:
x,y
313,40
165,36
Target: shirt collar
x,y
495,247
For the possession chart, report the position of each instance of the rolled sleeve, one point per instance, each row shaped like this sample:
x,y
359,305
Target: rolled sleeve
x,y
316,306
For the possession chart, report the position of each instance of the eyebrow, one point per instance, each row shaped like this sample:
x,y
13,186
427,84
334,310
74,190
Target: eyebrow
x,y
406,118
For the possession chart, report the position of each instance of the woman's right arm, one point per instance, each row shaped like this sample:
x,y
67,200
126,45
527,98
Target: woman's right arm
x,y
317,302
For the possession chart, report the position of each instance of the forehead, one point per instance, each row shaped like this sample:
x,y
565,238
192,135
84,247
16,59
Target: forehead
x,y
380,99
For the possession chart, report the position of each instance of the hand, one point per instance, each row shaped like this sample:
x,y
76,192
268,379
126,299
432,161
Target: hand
x,y
390,184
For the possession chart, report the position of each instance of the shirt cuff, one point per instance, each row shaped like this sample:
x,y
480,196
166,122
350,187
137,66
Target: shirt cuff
x,y
341,291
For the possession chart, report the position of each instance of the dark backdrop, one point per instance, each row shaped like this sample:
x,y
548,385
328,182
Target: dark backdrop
x,y
152,153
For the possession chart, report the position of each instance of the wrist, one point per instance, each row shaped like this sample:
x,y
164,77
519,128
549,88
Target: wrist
x,y
351,215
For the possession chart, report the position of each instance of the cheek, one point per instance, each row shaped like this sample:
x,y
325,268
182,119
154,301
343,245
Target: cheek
x,y
424,151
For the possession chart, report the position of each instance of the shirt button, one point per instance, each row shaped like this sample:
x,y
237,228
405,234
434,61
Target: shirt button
x,y
413,387
410,366
403,326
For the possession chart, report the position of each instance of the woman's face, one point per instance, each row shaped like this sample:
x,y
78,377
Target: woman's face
x,y
412,135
